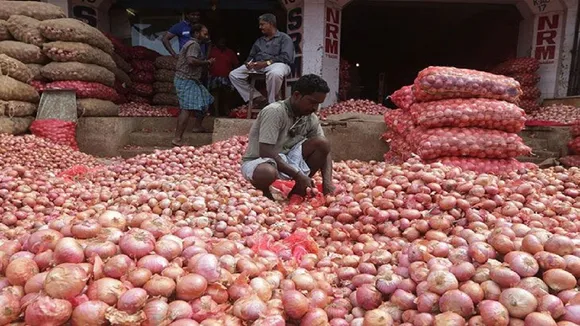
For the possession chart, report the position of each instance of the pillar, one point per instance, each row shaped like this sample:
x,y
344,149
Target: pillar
x,y
314,26
547,43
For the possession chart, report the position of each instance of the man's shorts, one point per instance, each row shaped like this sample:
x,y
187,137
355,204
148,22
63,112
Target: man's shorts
x,y
293,158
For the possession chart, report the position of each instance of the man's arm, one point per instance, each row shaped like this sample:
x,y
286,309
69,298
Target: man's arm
x,y
166,40
268,150
193,53
286,54
253,52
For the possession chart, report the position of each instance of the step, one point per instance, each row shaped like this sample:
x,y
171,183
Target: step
x,y
131,151
168,123
163,139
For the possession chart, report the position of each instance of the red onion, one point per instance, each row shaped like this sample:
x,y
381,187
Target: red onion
x,y
89,313
457,302
552,305
203,308
180,309
190,287
250,308
315,316
441,282
48,311
155,263
156,312
118,265
295,304
20,270
206,265
377,317
139,276
449,319
559,280
107,290
518,302
65,281
137,243
539,319
10,308
160,286
132,300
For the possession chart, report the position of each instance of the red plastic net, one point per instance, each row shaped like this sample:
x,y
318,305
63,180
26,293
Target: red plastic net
x,y
517,66
294,246
574,145
481,113
404,97
570,160
58,131
86,89
492,166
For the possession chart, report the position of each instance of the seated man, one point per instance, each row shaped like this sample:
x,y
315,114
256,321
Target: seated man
x,y
287,142
272,53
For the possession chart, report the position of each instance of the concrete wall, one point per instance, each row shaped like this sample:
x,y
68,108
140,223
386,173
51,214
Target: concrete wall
x,y
104,136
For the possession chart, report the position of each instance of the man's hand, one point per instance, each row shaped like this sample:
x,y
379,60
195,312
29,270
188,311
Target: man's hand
x,y
328,188
211,61
303,182
250,65
260,65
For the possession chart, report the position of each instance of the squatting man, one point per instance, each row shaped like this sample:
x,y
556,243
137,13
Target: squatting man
x,y
287,141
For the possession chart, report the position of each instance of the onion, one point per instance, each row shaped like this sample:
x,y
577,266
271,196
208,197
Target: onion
x,y
315,316
156,312
522,263
65,281
155,263
180,309
132,300
552,305
107,290
539,319
103,249
449,319
518,302
295,304
35,283
118,265
559,245
43,240
504,277
68,250
377,317
20,270
48,311
441,282
160,286
250,308
206,265
10,308
139,276
493,313
113,219
559,280
457,302
89,313
137,243
190,287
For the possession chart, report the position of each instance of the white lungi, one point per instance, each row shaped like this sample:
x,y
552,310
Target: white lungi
x,y
293,158
275,74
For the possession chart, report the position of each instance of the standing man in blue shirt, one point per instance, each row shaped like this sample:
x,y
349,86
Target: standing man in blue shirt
x,y
183,32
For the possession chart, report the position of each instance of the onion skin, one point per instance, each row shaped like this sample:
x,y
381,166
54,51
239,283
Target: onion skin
x,y
539,319
518,302
493,313
89,313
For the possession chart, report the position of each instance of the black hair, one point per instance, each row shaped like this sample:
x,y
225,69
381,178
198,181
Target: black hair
x,y
191,11
268,18
310,84
196,28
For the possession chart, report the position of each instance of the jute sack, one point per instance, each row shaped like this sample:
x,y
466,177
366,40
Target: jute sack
x,y
17,108
36,10
166,62
4,32
121,76
165,99
25,29
121,63
72,30
14,90
79,52
35,71
78,71
92,107
164,75
15,126
164,87
23,52
15,69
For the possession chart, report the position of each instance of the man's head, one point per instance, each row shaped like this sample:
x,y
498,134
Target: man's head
x,y
193,16
268,24
200,32
221,43
308,93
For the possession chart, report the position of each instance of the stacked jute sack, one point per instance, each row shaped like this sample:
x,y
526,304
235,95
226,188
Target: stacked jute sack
x,y
525,71
122,80
163,87
459,117
142,74
21,59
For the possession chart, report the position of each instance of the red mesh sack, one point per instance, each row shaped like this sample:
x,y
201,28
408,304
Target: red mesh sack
x,y
439,83
146,65
58,131
142,53
398,147
574,145
517,65
40,86
121,88
491,166
570,160
141,89
531,92
399,121
404,97
294,246
529,105
142,76
471,142
575,128
526,79
86,89
480,113
137,99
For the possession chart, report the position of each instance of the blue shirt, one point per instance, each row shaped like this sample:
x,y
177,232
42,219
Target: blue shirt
x,y
183,32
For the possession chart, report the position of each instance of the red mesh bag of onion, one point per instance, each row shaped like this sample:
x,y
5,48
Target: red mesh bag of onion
x,y
404,97
294,246
471,142
439,83
574,145
58,131
492,166
481,113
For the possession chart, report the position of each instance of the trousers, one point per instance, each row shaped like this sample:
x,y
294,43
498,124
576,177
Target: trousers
x,y
275,74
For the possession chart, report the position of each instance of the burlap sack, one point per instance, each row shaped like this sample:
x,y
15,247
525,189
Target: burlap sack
x,y
72,30
121,63
14,68
13,90
166,62
78,71
121,76
79,52
23,52
35,71
164,75
17,108
165,99
4,32
92,107
25,29
15,126
36,10
164,87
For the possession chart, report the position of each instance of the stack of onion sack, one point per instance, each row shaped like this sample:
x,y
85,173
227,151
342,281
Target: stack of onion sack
x,y
142,74
399,125
344,80
93,99
404,97
18,99
20,36
353,106
120,56
465,118
164,90
58,131
524,70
